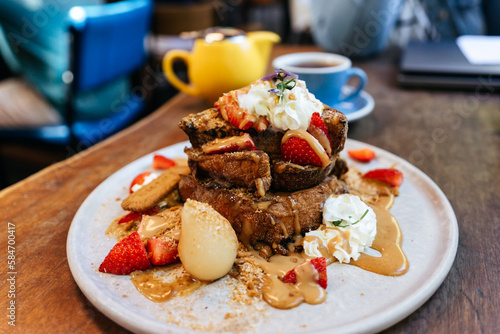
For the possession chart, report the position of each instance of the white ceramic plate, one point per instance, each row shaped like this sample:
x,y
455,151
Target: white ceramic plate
x,y
358,301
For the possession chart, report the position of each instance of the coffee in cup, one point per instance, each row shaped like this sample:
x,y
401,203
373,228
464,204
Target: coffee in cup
x,y
325,74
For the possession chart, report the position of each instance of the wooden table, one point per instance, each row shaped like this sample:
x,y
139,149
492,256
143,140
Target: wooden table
x,y
453,137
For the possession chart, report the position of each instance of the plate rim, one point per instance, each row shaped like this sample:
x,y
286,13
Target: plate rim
x,y
423,293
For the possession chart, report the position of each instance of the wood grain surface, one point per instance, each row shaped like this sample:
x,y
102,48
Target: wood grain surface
x,y
453,137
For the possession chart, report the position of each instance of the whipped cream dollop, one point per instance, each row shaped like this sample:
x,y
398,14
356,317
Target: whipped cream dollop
x,y
349,228
292,113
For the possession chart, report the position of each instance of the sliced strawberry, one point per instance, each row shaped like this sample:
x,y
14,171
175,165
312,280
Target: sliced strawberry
x,y
290,277
161,252
319,264
318,122
390,176
139,179
228,107
131,216
318,130
126,256
298,150
161,162
230,144
363,155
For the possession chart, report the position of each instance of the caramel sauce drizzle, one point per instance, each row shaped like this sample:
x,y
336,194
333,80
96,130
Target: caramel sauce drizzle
x,y
154,288
283,295
388,242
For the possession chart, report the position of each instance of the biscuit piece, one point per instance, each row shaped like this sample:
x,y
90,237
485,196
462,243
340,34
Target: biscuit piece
x,y
152,193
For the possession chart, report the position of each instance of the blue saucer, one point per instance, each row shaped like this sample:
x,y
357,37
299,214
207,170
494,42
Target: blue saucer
x,y
356,107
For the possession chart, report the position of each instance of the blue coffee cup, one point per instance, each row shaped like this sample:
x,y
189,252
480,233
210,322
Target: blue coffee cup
x,y
325,74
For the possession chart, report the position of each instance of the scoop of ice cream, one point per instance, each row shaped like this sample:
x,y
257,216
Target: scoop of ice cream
x,y
293,112
349,227
208,243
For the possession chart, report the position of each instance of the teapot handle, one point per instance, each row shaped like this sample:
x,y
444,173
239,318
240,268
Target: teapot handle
x,y
168,69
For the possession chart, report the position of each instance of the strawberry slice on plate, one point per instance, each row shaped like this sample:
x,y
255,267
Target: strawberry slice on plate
x,y
363,155
139,179
126,256
162,252
319,265
318,130
137,216
391,176
161,162
131,216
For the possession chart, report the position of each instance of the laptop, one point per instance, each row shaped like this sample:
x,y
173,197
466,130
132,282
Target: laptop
x,y
443,65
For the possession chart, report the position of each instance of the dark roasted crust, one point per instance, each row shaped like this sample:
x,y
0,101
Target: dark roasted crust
x,y
287,214
291,177
248,169
340,167
336,123
268,140
206,126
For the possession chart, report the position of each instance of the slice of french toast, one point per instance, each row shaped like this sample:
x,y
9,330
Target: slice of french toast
x,y
206,126
246,169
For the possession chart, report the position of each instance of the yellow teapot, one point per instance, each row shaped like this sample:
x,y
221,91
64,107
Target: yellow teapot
x,y
222,59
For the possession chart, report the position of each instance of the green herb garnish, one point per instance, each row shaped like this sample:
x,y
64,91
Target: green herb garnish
x,y
284,80
338,223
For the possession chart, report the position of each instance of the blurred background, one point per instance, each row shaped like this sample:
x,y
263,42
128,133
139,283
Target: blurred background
x,y
69,77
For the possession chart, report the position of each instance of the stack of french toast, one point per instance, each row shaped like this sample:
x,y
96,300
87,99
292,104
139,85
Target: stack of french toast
x,y
270,200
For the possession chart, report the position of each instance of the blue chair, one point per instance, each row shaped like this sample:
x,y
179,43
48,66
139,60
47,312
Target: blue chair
x,y
107,43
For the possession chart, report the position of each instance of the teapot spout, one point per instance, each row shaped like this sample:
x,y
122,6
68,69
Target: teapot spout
x,y
264,41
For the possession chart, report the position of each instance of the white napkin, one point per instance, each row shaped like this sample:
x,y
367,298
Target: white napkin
x,y
480,50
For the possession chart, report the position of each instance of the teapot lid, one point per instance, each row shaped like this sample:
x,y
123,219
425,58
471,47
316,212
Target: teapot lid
x,y
214,34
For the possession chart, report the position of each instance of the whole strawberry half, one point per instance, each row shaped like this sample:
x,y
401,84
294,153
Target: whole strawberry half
x,y
162,252
126,256
318,130
390,176
298,151
319,264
